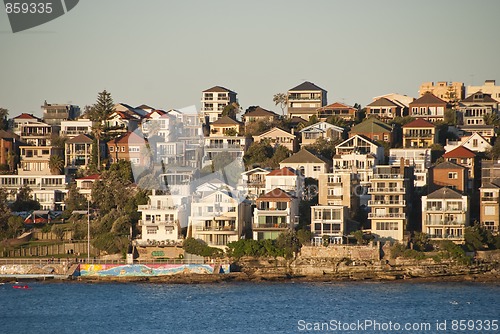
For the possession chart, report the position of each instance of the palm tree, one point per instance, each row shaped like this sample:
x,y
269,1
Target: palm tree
x,y
56,164
280,99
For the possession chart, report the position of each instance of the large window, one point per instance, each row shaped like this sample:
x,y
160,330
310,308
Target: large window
x,y
387,226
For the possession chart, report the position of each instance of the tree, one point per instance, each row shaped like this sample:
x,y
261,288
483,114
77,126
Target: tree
x,y
56,164
74,200
304,236
450,117
98,114
494,153
289,242
4,124
280,99
24,200
280,154
59,231
324,147
492,119
258,153
231,110
335,120
58,141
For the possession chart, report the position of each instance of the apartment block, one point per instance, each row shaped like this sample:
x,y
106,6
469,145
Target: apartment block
x,y
213,102
447,91
391,207
304,100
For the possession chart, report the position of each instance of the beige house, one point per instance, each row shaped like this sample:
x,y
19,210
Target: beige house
x,y
490,206
35,159
428,107
385,109
307,163
489,87
323,130
339,188
391,190
78,152
419,134
337,109
445,214
275,212
225,126
444,90
259,114
304,99
213,102
277,136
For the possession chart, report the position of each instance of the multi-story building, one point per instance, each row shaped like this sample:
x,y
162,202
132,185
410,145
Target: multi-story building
x,y
448,92
418,158
162,219
323,130
159,123
49,190
286,179
19,121
9,148
213,102
131,147
275,212
359,155
386,110
464,157
35,159
78,152
391,189
337,109
304,100
71,129
428,107
375,130
33,132
475,107
218,218
54,114
448,174
445,214
419,134
308,164
258,114
329,221
475,142
489,87
490,171
84,184
277,136
490,205
253,182
486,131
339,188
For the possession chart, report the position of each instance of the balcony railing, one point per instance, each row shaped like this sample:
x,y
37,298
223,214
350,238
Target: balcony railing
x,y
386,215
388,176
448,209
490,199
270,225
446,236
157,222
382,202
386,190
156,207
216,228
445,222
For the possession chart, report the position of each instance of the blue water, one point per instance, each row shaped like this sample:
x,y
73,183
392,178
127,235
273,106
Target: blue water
x,y
241,307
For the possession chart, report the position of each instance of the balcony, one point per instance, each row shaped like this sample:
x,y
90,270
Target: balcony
x,y
386,215
383,202
449,209
418,135
231,228
270,226
446,236
490,199
386,190
445,223
156,207
388,176
157,222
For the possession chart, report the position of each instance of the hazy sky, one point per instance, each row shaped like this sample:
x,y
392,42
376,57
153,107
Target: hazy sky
x,y
164,53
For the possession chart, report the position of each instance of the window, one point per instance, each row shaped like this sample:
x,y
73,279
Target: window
x,y
453,175
489,210
316,168
474,143
387,226
133,149
123,148
111,149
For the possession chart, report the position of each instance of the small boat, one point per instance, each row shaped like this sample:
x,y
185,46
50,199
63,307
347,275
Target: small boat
x,y
20,287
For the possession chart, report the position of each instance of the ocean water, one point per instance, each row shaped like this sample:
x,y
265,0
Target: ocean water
x,y
249,307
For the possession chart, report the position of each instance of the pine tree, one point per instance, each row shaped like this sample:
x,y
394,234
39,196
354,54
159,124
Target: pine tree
x,y
98,114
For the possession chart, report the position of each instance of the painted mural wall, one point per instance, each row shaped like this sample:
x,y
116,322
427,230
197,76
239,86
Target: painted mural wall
x,y
148,270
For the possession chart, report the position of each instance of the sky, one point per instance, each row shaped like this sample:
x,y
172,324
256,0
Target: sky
x,y
164,53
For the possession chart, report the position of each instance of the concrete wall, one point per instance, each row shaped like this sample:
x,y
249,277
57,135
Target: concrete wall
x,y
43,268
338,252
116,270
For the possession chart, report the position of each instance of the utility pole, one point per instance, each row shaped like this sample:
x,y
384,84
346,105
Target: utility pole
x,y
88,231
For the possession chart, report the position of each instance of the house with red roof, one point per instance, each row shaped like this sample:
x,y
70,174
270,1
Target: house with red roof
x,y
131,147
275,212
464,157
419,134
287,179
428,107
337,109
